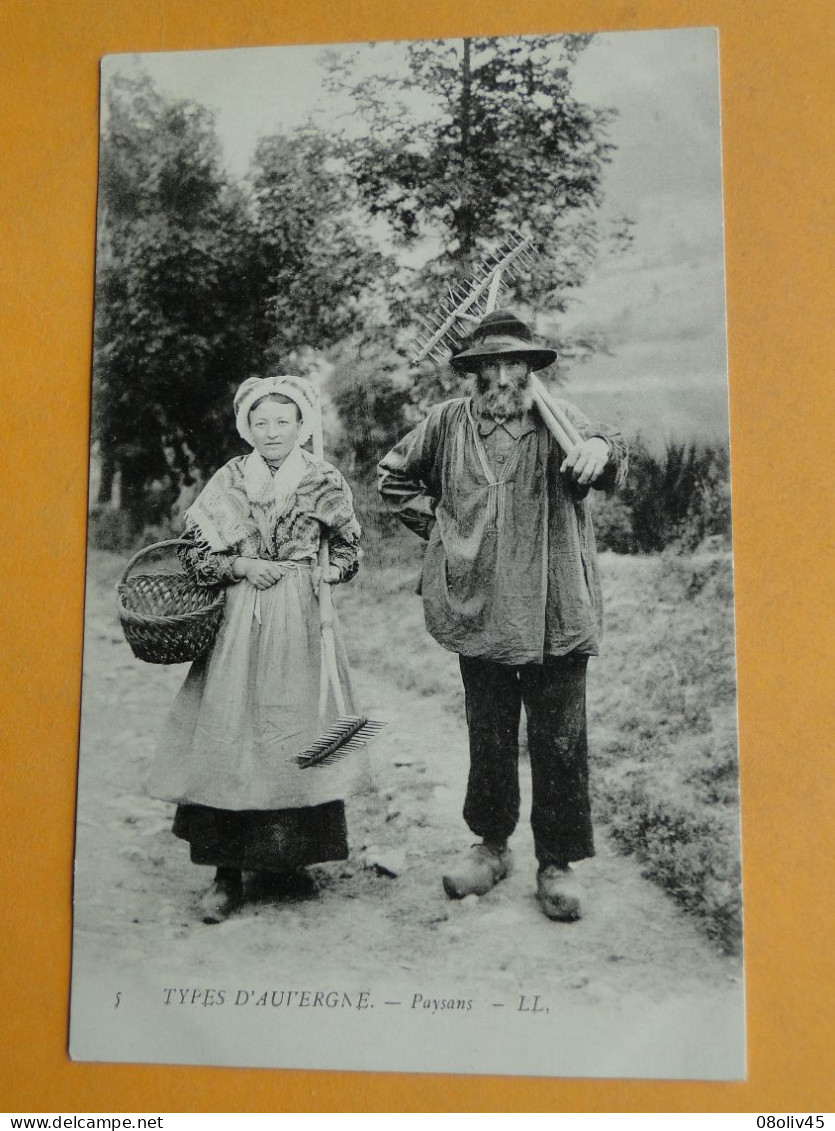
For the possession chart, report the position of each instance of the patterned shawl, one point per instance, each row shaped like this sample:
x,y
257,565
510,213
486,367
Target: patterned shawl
x,y
222,512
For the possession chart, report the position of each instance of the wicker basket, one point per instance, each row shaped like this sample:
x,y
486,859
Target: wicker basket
x,y
166,617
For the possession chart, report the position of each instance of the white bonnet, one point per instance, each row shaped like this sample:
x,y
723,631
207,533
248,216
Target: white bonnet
x,y
299,390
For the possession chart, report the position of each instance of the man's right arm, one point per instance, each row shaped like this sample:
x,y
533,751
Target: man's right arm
x,y
405,478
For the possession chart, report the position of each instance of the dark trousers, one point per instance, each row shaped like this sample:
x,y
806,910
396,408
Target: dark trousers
x,y
554,695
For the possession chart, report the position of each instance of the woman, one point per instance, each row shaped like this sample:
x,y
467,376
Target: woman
x,y
252,702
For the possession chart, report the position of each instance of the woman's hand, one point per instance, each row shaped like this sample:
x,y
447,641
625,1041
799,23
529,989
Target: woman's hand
x,y
330,576
259,573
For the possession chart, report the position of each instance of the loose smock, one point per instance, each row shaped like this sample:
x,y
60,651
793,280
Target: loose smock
x,y
510,572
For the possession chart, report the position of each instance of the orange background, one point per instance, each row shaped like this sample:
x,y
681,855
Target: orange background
x,y
777,65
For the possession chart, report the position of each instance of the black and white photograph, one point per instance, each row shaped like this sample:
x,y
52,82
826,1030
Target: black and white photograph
x,y
408,735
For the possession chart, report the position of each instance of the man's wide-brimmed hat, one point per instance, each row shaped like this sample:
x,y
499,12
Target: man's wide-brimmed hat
x,y
501,333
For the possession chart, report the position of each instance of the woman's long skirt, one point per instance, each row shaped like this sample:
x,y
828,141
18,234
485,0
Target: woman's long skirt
x,y
277,841
245,710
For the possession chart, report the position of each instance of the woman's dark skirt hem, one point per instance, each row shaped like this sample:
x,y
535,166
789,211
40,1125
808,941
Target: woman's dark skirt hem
x,y
277,840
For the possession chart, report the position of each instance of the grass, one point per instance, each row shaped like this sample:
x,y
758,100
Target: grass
x,y
383,618
662,706
663,720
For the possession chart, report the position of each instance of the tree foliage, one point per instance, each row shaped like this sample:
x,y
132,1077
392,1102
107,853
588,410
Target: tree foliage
x,y
318,272
372,389
202,282
173,310
453,143
478,136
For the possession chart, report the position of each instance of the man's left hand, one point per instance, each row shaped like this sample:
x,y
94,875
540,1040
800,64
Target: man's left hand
x,y
587,461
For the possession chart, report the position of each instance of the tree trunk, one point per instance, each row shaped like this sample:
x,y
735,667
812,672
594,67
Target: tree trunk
x,y
465,220
107,475
133,500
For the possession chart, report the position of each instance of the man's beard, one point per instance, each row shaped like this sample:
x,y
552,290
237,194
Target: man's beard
x,y
503,403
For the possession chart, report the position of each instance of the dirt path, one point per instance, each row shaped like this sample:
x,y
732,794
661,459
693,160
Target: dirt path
x,y
136,890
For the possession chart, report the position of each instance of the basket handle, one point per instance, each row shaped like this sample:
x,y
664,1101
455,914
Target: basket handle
x,y
146,550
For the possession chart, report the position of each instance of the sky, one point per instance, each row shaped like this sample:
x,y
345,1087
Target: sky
x,y
661,304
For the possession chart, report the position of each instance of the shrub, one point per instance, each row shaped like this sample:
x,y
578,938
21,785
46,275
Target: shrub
x,y
612,523
679,497
689,849
109,529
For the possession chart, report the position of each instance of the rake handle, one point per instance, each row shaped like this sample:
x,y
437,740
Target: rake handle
x,y
555,419
558,424
330,670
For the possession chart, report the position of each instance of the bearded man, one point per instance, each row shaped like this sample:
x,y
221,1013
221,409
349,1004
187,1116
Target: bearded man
x,y
510,583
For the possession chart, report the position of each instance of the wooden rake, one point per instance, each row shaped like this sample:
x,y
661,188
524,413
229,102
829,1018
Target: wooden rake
x,y
467,303
350,732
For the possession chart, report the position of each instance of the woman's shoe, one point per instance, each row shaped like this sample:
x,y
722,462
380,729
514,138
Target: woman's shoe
x,y
225,895
295,884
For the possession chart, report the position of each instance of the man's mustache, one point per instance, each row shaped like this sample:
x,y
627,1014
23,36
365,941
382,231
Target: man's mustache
x,y
506,402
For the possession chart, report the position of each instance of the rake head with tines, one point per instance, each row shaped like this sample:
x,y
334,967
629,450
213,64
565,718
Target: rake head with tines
x,y
347,735
470,303
467,303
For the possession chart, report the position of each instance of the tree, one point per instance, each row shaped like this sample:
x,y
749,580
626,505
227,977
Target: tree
x,y
173,306
201,284
451,147
317,271
372,390
475,137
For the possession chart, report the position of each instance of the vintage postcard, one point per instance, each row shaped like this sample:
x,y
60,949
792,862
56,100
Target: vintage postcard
x,y
409,711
